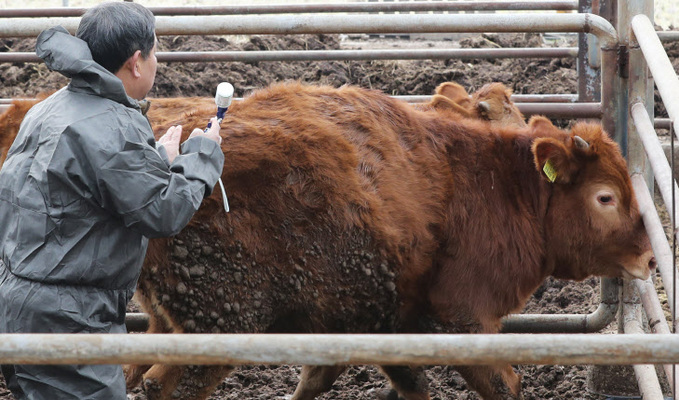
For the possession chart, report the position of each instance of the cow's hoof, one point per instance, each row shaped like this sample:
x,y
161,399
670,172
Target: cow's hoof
x,y
388,394
152,388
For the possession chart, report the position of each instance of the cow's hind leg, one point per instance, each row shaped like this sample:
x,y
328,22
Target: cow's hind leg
x,y
493,383
410,383
183,382
316,379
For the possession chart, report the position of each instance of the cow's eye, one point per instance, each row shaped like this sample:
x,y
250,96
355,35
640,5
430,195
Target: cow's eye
x,y
605,199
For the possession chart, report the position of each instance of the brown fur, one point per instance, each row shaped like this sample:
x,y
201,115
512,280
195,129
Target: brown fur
x,y
10,121
498,105
354,212
491,103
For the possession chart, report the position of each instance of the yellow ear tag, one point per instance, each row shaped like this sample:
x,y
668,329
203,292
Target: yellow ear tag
x,y
549,170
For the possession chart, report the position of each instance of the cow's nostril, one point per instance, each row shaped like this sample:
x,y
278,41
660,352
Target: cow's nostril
x,y
652,263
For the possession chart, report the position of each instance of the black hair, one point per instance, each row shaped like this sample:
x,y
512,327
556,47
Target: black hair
x,y
115,30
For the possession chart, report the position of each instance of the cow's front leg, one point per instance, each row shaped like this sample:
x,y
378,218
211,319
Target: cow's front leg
x,y
493,383
408,383
161,380
316,379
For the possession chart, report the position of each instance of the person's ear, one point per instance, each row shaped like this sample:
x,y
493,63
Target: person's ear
x,y
132,64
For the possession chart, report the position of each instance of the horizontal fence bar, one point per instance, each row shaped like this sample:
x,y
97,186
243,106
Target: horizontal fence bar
x,y
544,98
660,66
562,323
325,55
517,98
570,323
662,123
424,6
515,323
554,110
668,36
360,23
565,110
336,349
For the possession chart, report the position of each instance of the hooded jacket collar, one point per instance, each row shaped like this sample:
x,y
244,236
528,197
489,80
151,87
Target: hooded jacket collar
x,y
71,57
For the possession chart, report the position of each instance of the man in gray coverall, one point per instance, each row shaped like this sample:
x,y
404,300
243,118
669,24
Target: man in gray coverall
x,y
83,188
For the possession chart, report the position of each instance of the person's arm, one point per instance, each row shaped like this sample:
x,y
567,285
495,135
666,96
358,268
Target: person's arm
x,y
133,181
169,142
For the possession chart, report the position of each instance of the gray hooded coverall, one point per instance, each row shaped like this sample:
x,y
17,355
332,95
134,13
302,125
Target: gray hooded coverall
x,y
81,191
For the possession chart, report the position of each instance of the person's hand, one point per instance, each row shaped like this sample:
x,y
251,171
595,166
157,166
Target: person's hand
x,y
170,141
212,133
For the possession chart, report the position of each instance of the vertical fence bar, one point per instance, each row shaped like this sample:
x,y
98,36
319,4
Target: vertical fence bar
x,y
589,63
647,378
639,84
661,68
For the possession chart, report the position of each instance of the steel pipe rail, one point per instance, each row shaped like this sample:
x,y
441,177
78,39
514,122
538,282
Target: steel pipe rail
x,y
668,36
424,6
338,349
517,98
569,323
654,315
656,156
516,323
647,379
554,110
656,234
660,66
562,323
662,123
318,55
360,23
562,110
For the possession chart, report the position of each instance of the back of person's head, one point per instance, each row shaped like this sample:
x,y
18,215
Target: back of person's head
x,y
114,31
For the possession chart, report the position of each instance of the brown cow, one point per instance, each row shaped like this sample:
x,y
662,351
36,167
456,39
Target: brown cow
x,y
490,103
352,212
10,121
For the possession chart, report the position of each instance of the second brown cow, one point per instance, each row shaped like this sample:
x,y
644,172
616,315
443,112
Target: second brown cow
x,y
353,212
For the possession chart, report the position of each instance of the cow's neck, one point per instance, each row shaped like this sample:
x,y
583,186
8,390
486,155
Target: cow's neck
x,y
495,250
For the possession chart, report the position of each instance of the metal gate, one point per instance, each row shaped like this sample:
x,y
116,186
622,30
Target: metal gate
x,y
617,47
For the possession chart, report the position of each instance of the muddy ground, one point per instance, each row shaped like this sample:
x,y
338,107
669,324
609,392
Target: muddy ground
x,y
523,76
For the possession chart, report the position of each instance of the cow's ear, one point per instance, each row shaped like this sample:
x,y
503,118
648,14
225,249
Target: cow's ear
x,y
440,102
455,92
540,122
554,160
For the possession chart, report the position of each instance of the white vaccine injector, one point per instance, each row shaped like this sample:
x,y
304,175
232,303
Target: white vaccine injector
x,y
223,100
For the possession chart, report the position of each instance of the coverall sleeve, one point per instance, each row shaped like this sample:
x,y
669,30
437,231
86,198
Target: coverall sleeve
x,y
134,182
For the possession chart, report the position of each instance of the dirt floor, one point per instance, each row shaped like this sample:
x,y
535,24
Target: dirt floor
x,y
524,76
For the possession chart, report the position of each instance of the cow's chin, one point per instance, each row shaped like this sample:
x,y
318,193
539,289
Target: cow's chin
x,y
631,273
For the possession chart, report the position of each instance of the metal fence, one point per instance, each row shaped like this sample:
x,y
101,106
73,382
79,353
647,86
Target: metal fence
x,y
621,55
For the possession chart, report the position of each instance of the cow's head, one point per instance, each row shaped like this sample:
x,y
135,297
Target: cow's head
x,y
593,224
492,102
